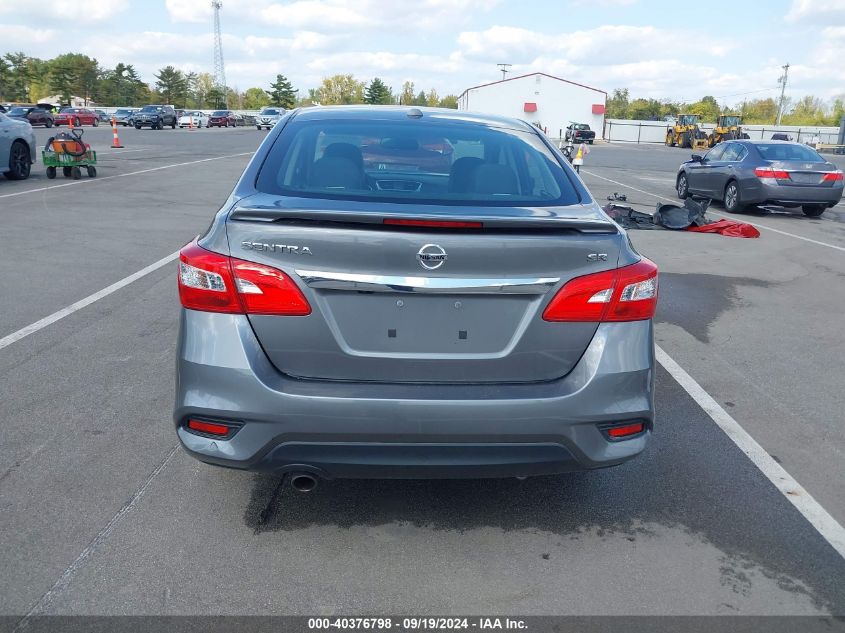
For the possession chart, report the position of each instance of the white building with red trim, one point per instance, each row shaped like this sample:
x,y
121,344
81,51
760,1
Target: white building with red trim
x,y
545,100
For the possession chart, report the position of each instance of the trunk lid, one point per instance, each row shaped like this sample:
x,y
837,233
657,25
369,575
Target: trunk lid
x,y
418,304
802,173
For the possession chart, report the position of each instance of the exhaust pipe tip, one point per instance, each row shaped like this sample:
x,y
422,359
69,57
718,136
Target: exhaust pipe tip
x,y
303,482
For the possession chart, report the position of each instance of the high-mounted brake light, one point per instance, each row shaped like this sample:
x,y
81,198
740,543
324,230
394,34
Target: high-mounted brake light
x,y
832,176
211,282
624,294
438,224
767,173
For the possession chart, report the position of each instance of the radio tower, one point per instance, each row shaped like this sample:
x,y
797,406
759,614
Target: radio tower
x,y
219,70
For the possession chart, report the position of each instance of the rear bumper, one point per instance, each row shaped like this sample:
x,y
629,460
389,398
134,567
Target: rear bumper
x,y
341,429
791,194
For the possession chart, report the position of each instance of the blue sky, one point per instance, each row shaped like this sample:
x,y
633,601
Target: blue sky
x,y
658,49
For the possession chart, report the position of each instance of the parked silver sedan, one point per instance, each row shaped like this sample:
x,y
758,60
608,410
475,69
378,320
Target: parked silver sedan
x,y
743,173
17,148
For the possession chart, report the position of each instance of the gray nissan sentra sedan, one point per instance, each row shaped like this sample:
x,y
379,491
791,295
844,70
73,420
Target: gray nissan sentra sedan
x,y
402,292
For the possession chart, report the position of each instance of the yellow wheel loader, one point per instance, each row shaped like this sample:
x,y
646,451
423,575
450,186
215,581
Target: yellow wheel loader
x,y
686,133
728,127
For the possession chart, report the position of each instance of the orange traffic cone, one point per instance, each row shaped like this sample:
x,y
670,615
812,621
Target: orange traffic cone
x,y
115,141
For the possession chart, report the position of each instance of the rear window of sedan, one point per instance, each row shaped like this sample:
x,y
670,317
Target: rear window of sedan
x,y
787,151
414,162
220,113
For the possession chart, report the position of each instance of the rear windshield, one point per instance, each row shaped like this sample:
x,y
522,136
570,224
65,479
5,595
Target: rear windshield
x,y
784,151
420,162
19,111
220,113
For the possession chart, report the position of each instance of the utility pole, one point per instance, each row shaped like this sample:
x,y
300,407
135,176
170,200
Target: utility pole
x,y
782,81
505,68
219,69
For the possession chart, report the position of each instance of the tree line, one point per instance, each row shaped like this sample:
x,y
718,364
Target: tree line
x,y
26,79
809,110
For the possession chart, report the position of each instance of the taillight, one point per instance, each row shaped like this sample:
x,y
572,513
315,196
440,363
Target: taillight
x,y
215,283
438,224
832,176
624,294
767,173
210,428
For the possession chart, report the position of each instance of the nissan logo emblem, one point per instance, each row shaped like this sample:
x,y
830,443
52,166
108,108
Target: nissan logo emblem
x,y
431,256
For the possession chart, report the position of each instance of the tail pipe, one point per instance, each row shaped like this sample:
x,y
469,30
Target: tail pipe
x,y
303,482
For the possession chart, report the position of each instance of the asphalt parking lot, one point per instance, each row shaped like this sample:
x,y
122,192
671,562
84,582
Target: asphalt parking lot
x,y
103,514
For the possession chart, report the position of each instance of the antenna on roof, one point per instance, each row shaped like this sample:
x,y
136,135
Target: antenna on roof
x,y
505,68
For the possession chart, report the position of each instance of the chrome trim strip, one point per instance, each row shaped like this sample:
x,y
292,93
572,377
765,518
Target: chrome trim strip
x,y
433,285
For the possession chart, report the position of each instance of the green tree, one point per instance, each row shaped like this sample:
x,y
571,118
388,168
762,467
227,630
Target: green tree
x,y
5,79
282,93
203,89
420,99
644,110
255,99
73,74
341,89
449,101
708,109
378,93
172,86
837,111
759,111
18,76
432,99
617,105
809,110
407,95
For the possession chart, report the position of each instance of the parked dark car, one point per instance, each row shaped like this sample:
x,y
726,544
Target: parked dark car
x,y
103,116
580,133
743,173
780,136
155,116
33,114
222,118
76,116
350,319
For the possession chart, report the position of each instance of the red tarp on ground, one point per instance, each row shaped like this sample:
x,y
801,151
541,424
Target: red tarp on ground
x,y
731,228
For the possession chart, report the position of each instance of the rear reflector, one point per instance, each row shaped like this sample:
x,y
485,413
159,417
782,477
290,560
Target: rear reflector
x,y
623,294
437,224
832,176
209,427
769,173
211,282
625,431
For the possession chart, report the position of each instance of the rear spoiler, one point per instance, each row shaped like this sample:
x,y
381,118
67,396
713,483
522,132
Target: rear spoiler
x,y
551,218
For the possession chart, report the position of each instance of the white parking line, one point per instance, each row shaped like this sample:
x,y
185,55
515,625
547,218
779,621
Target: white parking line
x,y
819,518
32,328
132,173
759,226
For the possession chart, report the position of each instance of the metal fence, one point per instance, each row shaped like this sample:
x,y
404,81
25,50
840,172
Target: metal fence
x,y
628,131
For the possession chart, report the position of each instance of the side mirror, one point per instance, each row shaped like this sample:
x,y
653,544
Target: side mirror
x,y
698,158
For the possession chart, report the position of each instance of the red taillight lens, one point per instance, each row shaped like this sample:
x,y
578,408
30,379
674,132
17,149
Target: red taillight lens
x,y
215,283
205,281
768,172
439,224
209,427
265,290
832,176
623,294
625,431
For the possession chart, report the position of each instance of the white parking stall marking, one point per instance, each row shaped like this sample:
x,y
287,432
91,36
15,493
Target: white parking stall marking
x,y
819,518
75,307
132,173
756,224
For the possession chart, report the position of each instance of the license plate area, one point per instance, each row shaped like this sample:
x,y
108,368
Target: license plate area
x,y
803,178
421,325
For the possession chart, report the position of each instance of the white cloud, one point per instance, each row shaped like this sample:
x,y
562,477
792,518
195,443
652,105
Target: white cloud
x,y
64,11
16,37
821,12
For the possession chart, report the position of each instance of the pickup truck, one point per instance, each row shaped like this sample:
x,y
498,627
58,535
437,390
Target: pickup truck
x,y
580,133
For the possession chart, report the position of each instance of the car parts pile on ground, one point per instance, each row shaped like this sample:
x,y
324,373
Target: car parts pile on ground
x,y
690,217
